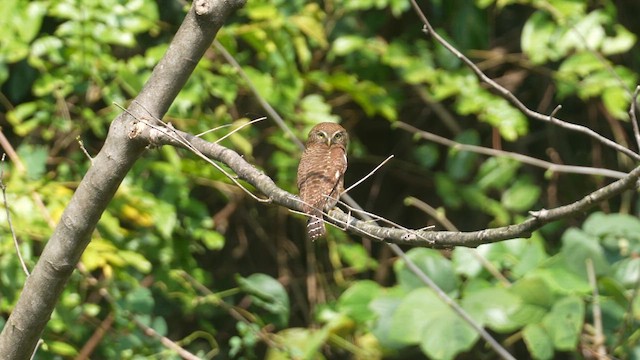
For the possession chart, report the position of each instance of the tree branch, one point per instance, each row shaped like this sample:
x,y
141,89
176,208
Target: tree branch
x,y
436,239
509,96
571,169
120,151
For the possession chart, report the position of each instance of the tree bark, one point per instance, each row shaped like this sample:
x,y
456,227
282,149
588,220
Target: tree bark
x,y
71,236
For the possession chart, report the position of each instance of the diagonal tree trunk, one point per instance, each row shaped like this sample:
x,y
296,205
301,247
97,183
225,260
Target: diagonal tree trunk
x,y
121,150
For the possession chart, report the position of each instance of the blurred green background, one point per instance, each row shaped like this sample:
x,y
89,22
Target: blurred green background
x,y
185,252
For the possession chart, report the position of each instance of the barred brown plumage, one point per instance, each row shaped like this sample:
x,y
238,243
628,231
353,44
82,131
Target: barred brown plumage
x,y
321,173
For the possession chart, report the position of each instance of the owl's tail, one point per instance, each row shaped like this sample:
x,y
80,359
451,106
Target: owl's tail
x,y
315,226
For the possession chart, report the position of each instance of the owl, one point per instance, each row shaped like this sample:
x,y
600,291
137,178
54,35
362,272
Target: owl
x,y
321,173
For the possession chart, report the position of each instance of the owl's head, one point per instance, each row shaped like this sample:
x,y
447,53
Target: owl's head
x,y
328,133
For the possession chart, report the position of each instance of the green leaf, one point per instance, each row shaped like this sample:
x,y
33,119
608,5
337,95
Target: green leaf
x,y
211,239
564,322
385,307
422,318
356,299
561,279
356,256
536,36
577,247
473,196
627,271
267,293
426,155
35,159
311,28
616,101
262,81
496,173
139,301
494,307
614,289
578,66
460,164
521,196
465,262
622,42
535,291
587,33
61,348
315,110
136,260
538,342
298,343
617,226
433,264
448,190
517,255
530,256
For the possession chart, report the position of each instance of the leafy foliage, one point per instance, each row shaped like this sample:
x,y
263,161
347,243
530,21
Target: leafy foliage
x,y
183,251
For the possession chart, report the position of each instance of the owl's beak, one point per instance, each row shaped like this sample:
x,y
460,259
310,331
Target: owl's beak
x,y
328,142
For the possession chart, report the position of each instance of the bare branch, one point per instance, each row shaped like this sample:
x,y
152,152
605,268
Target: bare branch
x,y
367,176
441,294
266,185
598,338
62,252
228,125
441,218
265,105
506,94
453,305
633,117
170,131
240,128
84,150
511,155
3,187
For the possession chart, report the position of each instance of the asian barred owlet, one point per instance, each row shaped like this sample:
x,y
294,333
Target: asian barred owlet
x,y
321,173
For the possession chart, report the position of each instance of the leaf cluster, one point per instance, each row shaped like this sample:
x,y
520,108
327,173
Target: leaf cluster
x,y
183,251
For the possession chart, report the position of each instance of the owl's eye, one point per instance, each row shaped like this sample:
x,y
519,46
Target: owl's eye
x,y
337,136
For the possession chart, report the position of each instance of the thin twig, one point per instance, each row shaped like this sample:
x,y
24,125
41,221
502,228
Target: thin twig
x,y
13,155
598,339
554,113
265,105
373,218
35,350
95,339
172,133
367,176
168,343
15,160
326,216
571,169
231,310
240,128
603,61
84,150
441,294
495,345
214,129
6,208
442,219
509,96
629,317
633,117
226,126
